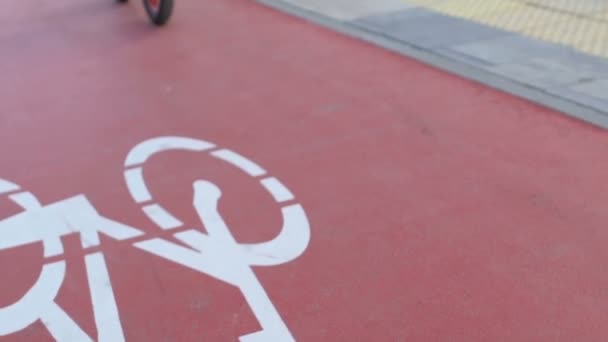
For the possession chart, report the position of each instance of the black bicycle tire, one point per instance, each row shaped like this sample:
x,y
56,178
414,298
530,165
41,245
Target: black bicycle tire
x,y
160,17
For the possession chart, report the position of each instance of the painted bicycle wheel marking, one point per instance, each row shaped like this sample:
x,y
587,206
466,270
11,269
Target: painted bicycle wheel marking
x,y
157,213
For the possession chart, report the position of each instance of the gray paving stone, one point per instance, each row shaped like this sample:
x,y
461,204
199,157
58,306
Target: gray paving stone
x,y
589,66
384,21
595,88
541,72
457,56
507,48
587,100
350,9
427,29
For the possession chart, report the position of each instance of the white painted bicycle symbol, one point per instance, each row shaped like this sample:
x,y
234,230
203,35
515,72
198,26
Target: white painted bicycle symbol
x,y
215,253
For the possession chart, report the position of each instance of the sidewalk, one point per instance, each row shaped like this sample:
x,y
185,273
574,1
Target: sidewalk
x,y
548,51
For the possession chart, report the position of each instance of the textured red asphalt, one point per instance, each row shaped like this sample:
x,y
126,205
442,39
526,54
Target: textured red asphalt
x,y
440,210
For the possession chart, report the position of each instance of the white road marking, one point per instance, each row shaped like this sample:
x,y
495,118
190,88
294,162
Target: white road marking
x,y
249,167
6,186
35,302
137,186
61,326
277,189
52,245
105,311
25,200
291,242
140,153
161,217
216,253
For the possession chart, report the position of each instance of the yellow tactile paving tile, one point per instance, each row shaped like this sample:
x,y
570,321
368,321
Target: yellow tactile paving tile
x,y
580,24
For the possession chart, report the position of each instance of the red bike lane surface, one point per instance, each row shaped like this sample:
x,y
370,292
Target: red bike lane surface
x,y
438,209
